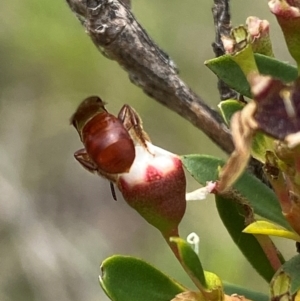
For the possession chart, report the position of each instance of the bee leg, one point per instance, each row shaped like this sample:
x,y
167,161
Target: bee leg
x,y
133,124
83,158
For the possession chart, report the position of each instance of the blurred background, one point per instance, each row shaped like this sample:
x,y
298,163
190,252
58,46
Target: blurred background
x,y
57,221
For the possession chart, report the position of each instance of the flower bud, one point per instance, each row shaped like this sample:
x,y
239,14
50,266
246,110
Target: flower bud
x,y
155,187
287,13
259,35
238,46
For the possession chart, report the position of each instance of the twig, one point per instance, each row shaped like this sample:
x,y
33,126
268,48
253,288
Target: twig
x,y
127,2
222,22
221,14
116,33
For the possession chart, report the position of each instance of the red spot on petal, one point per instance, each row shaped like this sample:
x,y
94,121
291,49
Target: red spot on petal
x,y
152,174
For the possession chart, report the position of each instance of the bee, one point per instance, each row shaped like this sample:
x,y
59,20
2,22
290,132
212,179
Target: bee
x,y
109,147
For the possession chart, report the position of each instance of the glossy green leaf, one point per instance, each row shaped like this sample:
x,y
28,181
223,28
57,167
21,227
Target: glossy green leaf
x,y
267,228
292,268
227,70
125,278
228,108
232,215
190,260
209,284
261,198
230,289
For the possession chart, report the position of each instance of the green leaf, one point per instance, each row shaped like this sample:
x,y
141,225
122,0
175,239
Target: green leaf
x,y
267,228
278,69
291,268
125,278
280,286
228,108
190,260
209,284
227,70
242,50
260,145
232,215
261,198
230,289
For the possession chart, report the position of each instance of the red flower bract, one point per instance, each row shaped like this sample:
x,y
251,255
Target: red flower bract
x,y
155,187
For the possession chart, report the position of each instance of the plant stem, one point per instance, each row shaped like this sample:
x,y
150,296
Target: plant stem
x,y
221,15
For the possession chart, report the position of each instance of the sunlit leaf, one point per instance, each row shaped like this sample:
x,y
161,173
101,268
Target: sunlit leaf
x,y
227,70
126,278
267,228
191,260
209,284
261,198
228,108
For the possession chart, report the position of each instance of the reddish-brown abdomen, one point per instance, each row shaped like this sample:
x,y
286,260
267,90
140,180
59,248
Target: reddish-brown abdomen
x,y
108,143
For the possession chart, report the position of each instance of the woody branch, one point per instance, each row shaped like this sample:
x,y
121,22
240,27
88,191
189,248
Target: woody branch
x,y
117,34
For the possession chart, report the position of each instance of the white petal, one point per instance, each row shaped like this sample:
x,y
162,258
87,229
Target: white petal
x,y
155,157
201,193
